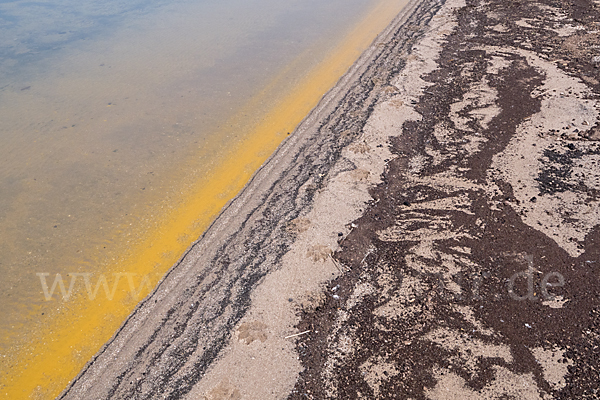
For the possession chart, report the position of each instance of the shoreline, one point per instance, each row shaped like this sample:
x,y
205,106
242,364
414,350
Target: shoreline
x,y
48,347
207,264
430,230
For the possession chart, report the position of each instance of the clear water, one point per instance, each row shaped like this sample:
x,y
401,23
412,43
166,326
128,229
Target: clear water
x,y
111,112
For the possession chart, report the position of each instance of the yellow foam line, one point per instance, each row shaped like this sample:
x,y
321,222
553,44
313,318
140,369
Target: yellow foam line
x,y
45,366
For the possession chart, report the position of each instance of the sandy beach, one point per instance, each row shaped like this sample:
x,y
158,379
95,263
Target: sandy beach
x,y
431,230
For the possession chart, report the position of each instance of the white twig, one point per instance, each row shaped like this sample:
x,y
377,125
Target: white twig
x,y
336,264
296,334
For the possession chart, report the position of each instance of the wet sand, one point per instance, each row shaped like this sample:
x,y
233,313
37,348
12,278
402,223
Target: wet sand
x,y
429,231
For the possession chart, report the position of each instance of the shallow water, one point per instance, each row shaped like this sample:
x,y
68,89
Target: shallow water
x,y
124,128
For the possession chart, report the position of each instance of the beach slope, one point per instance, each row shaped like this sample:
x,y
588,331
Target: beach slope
x,y
430,231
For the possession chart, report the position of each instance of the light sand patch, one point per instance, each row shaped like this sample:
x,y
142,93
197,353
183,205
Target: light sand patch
x,y
416,164
470,349
506,384
459,202
385,280
360,291
398,309
344,345
567,30
478,105
377,371
438,228
552,363
450,181
475,142
443,135
461,249
524,23
497,64
588,170
578,45
523,161
557,302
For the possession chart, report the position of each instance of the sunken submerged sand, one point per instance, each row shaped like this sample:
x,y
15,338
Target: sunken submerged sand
x,y
430,231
